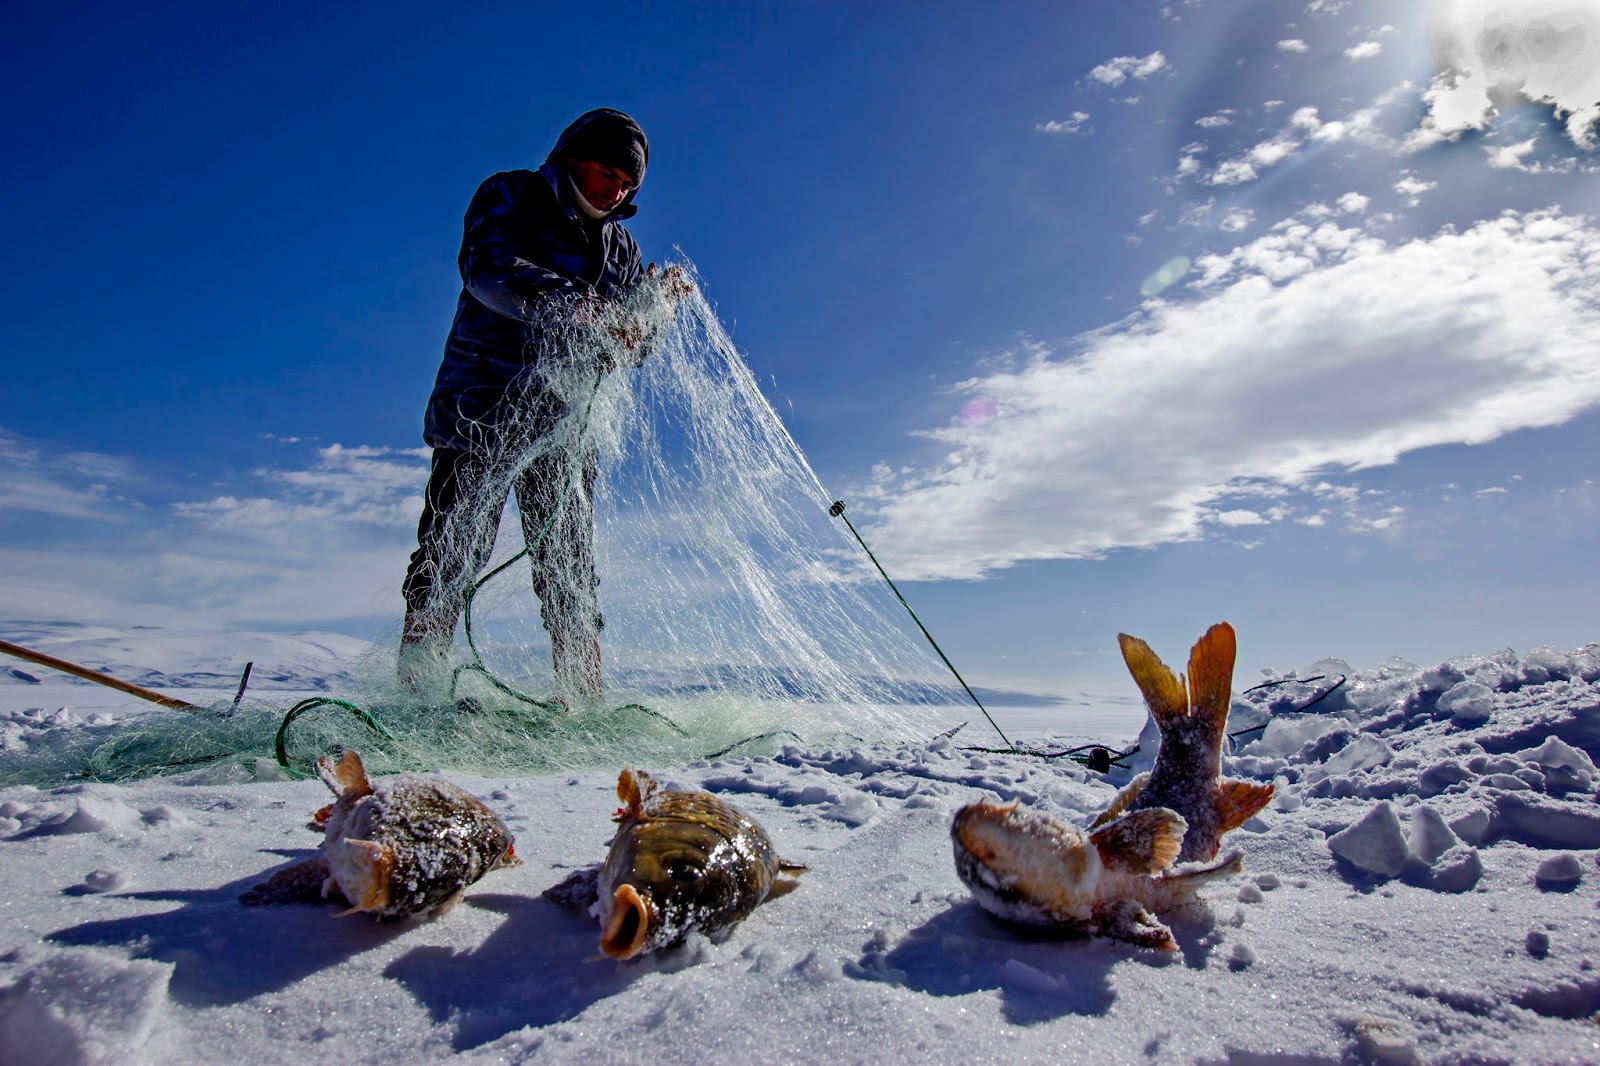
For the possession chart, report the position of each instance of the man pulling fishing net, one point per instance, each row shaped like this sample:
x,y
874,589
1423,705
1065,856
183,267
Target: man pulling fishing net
x,y
553,297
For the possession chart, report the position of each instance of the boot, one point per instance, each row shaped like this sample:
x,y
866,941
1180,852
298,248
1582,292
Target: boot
x,y
576,671
424,650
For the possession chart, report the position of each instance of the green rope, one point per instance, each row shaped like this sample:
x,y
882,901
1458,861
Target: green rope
x,y
280,743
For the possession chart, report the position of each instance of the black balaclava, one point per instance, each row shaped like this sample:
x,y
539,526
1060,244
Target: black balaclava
x,y
607,136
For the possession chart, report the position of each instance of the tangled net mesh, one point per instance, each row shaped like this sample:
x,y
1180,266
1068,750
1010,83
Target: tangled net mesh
x,y
738,615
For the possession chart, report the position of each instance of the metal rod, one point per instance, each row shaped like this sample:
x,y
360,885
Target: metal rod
x,y
92,675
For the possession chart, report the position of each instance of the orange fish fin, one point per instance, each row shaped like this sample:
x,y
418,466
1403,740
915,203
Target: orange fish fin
x,y
1144,842
781,887
1120,803
1211,675
1163,690
634,789
1237,800
319,821
363,877
347,777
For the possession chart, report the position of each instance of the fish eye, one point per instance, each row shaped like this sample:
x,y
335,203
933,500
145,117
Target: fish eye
x,y
683,871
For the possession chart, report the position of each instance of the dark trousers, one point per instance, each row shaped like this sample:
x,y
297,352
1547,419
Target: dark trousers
x,y
461,510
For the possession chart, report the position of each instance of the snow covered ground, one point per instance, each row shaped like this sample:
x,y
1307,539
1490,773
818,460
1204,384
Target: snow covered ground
x,y
1421,889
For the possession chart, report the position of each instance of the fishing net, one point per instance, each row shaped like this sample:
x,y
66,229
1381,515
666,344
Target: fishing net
x,y
733,612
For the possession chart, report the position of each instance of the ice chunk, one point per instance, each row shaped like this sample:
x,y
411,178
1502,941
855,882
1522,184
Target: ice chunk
x,y
1362,753
1548,823
1457,870
1435,779
1468,703
1566,768
1558,873
1284,737
1473,826
1431,837
1375,844
1544,664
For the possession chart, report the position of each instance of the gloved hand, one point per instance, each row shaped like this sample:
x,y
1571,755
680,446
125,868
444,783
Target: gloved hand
x,y
675,281
597,314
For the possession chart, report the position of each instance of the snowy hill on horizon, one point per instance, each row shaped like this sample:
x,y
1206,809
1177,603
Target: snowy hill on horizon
x,y
163,658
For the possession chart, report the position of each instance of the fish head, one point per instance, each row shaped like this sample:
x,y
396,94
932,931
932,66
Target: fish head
x,y
1022,865
672,886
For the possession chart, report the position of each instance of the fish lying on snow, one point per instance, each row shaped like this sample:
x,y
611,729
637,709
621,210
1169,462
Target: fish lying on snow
x,y
1035,870
403,845
679,861
1029,868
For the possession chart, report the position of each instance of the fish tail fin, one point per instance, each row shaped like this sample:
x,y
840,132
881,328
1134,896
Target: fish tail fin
x,y
1123,798
346,777
1162,689
1144,842
1238,800
1211,675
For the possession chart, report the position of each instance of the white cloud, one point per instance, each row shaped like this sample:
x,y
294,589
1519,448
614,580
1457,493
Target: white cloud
x,y
1236,219
367,486
321,542
1114,72
1364,50
1412,188
1216,121
1234,172
1353,203
1302,128
1068,125
68,484
1514,156
1490,53
1313,349
1294,44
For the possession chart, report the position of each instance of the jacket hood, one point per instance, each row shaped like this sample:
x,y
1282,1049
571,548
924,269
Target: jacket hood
x,y
573,133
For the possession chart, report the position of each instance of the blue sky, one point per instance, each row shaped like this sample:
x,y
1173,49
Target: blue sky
x,y
1104,315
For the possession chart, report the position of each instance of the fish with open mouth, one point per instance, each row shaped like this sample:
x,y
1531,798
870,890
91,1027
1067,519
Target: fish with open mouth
x,y
679,861
1034,870
398,846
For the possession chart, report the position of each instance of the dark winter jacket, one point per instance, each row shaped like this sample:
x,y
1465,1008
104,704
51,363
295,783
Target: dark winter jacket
x,y
527,253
